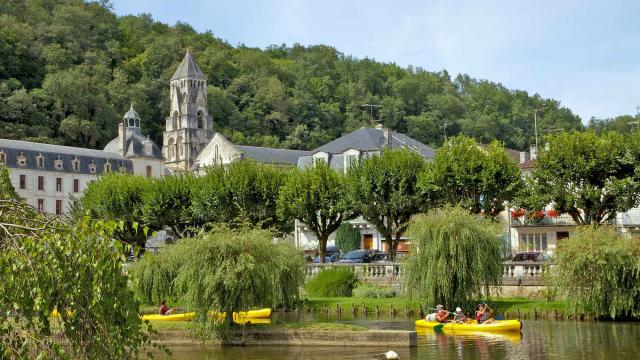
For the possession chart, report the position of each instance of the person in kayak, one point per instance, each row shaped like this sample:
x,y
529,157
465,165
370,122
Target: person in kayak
x,y
483,315
459,317
164,309
442,314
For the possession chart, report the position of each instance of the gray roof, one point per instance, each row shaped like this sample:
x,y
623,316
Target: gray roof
x,y
188,68
373,139
131,114
14,148
134,145
270,155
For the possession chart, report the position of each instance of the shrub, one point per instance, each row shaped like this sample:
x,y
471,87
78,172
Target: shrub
x,y
347,237
455,258
332,283
366,290
598,270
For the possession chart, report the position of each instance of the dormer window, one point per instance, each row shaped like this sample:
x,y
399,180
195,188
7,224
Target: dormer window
x,y
40,160
76,164
3,157
92,167
107,167
59,164
22,160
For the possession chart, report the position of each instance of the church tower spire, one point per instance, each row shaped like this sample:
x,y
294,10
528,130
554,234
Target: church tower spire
x,y
189,126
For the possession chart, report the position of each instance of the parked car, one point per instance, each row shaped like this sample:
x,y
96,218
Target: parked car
x,y
380,257
331,249
327,258
531,256
356,256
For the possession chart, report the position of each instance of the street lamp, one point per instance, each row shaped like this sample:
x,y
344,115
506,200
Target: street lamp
x,y
535,123
371,106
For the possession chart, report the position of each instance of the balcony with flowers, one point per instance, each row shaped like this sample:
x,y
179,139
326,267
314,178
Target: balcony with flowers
x,y
548,217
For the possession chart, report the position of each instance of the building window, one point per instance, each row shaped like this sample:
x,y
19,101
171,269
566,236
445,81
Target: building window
x,y
59,163
172,150
40,182
92,167
107,168
58,184
3,157
180,147
200,117
58,207
76,185
22,160
149,171
23,182
349,161
215,154
40,160
533,242
41,205
174,121
76,165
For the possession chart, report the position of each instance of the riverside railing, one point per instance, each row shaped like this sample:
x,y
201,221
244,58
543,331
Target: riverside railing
x,y
528,273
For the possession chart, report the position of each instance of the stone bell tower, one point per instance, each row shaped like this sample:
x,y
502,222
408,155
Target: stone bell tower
x,y
188,127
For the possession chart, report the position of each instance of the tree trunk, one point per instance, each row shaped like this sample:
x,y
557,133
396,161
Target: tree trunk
x,y
322,242
388,238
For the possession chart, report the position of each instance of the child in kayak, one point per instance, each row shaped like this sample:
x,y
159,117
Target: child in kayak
x,y
459,317
164,309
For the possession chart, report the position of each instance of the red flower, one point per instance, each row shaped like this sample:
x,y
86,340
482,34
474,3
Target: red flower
x,y
517,213
552,213
539,214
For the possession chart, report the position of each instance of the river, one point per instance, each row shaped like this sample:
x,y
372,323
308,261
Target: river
x,y
541,339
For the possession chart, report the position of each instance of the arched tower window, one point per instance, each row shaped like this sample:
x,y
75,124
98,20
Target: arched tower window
x,y
200,117
172,150
180,147
215,154
174,122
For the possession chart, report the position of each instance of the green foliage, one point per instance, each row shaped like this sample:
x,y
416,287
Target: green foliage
x,y
167,202
476,177
117,197
587,176
347,238
7,192
239,194
611,260
455,258
317,197
366,290
47,264
223,270
70,68
333,282
383,188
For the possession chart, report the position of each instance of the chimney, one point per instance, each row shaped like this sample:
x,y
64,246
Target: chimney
x,y
387,136
121,138
534,153
523,156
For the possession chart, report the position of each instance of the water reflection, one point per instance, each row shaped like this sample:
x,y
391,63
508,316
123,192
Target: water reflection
x,y
538,340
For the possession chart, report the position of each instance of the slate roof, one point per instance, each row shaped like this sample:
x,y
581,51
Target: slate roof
x,y
372,139
270,155
131,114
134,145
188,68
51,153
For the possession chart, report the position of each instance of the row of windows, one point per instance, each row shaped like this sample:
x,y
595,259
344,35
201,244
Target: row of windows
x,y
58,164
59,206
533,242
23,184
175,121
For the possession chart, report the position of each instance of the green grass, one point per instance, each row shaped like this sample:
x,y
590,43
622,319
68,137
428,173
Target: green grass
x,y
526,305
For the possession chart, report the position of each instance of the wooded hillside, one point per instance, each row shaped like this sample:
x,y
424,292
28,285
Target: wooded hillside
x,y
69,69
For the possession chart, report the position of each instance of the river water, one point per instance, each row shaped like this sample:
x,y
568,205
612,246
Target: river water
x,y
541,339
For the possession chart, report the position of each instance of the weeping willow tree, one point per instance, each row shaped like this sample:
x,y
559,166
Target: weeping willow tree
x,y
455,258
347,237
612,262
223,271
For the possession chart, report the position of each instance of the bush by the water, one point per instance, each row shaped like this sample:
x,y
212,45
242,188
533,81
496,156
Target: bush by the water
x,y
366,290
455,257
332,282
598,270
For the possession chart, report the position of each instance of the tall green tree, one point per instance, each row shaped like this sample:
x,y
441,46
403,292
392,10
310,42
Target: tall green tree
x,y
476,177
167,203
117,197
76,269
347,237
383,188
587,176
317,197
455,258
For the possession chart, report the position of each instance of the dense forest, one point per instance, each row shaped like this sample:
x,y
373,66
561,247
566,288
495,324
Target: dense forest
x,y
69,69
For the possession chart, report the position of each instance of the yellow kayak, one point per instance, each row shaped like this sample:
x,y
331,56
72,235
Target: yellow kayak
x,y
242,316
511,336
499,325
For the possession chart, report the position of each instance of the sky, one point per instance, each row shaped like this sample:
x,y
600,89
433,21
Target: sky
x,y
583,53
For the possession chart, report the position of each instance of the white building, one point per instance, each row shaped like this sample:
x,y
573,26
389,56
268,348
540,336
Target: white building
x,y
49,177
